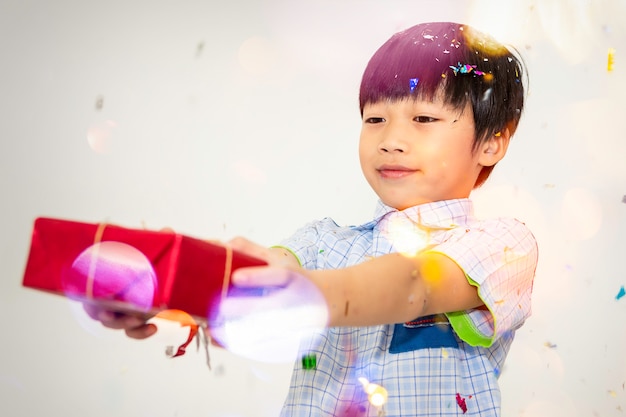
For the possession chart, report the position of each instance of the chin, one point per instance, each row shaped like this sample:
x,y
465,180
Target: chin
x,y
402,205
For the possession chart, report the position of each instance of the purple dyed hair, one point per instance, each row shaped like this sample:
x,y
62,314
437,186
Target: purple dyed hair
x,y
431,59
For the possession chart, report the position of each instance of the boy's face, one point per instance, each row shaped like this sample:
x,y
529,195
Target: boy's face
x,y
415,151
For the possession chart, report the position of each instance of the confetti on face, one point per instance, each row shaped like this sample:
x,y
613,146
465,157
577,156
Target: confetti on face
x,y
620,293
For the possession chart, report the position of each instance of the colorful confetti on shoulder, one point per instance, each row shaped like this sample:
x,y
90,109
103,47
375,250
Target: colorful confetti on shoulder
x,y
621,293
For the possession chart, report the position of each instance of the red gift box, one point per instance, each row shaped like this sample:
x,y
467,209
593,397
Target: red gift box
x,y
131,270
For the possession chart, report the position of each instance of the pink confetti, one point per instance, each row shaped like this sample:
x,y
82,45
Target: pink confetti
x,y
461,402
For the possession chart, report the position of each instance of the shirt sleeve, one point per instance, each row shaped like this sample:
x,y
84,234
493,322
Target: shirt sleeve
x,y
304,243
499,257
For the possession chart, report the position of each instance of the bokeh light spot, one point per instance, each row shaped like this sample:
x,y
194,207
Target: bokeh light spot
x,y
581,214
112,271
100,136
268,327
257,55
376,394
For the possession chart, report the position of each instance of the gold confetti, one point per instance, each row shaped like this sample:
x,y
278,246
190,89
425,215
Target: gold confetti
x,y
610,60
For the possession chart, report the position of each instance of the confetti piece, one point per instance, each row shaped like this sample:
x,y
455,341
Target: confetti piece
x,y
612,393
461,403
620,293
413,83
486,94
549,345
444,353
465,69
309,361
610,59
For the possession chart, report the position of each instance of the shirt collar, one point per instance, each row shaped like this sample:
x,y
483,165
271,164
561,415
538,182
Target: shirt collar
x,y
445,214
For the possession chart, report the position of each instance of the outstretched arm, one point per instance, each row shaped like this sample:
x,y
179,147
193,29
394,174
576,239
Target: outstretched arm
x,y
393,288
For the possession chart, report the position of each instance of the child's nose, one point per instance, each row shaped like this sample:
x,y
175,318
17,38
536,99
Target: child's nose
x,y
393,141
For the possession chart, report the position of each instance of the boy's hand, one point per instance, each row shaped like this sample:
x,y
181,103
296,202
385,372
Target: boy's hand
x,y
137,327
134,326
273,256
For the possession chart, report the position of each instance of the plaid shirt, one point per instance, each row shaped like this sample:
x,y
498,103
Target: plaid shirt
x,y
434,366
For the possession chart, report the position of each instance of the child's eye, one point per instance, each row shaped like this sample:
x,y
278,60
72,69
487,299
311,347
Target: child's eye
x,y
374,120
425,119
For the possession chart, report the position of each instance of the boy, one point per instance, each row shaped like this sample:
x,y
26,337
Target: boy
x,y
424,300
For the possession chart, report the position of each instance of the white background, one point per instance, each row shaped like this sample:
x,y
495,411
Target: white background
x,y
241,118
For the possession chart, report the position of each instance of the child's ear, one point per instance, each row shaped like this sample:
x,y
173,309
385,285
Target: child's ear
x,y
494,148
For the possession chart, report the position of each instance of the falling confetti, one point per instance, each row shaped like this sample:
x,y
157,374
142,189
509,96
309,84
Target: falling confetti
x,y
309,361
461,402
550,345
620,293
610,60
99,103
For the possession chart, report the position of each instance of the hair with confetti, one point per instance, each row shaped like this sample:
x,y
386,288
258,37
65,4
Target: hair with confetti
x,y
458,62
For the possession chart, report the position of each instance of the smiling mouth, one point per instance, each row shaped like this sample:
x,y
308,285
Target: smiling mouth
x,y
395,172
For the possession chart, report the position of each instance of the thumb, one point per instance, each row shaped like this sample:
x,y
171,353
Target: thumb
x,y
262,276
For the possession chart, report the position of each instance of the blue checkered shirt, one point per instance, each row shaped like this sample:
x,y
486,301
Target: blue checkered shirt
x,y
448,366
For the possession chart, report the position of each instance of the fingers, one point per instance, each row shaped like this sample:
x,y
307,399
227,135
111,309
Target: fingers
x,y
135,327
261,276
142,332
248,247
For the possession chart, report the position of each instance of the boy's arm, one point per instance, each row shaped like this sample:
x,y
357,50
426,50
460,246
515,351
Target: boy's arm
x,y
393,288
